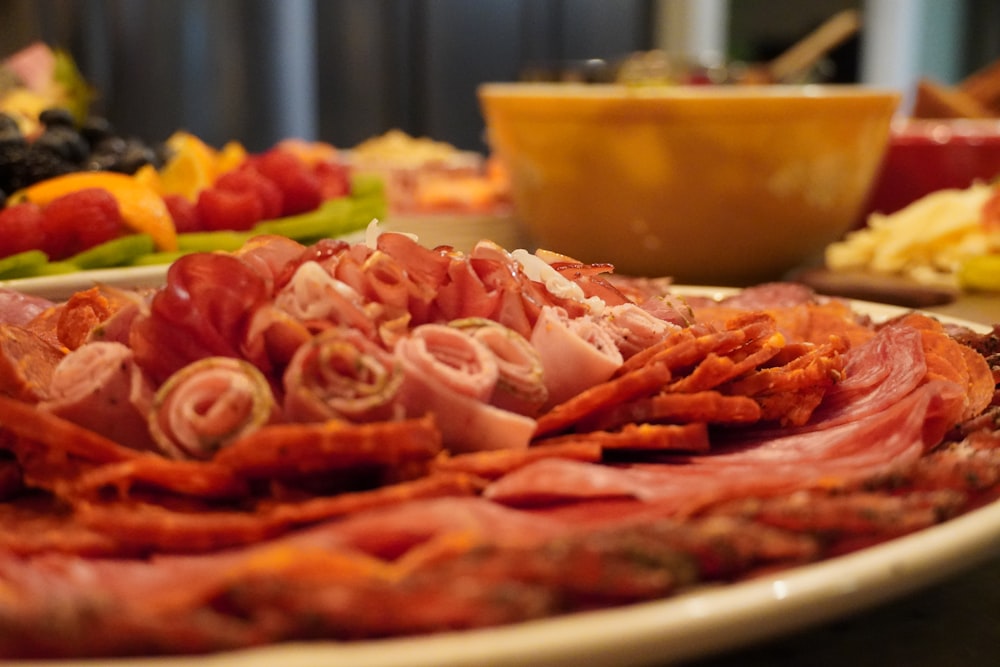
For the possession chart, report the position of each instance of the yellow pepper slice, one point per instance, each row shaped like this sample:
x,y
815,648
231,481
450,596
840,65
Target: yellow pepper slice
x,y
981,273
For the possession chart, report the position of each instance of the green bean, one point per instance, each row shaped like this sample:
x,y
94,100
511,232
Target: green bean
x,y
209,241
116,252
327,221
163,257
22,264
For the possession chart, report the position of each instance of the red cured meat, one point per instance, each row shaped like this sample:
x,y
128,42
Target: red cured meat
x,y
27,362
841,457
886,428
423,265
314,297
270,255
876,375
465,294
204,310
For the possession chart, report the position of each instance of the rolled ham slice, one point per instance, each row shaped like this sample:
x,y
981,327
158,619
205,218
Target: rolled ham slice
x,y
520,379
576,353
453,376
342,374
453,360
208,404
100,387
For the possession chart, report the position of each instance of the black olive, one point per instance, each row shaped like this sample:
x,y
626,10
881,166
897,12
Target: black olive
x,y
65,142
57,117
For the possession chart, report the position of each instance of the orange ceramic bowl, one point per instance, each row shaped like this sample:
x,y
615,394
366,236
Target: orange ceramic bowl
x,y
926,155
724,185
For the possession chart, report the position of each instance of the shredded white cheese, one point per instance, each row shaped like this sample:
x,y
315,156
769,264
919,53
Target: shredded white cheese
x,y
558,285
373,231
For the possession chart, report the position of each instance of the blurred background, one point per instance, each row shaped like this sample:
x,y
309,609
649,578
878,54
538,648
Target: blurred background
x,y
346,70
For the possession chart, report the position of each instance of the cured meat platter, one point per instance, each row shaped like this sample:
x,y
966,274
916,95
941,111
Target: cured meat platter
x,y
695,621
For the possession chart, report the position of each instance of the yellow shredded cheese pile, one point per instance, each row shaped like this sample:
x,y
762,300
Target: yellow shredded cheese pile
x,y
927,241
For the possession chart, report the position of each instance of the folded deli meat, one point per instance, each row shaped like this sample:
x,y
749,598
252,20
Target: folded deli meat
x,y
357,441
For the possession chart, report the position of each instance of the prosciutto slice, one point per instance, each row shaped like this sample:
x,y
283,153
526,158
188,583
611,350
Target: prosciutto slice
x,y
453,376
342,374
208,404
100,387
313,295
269,255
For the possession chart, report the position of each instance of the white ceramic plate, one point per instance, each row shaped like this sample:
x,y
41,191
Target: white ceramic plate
x,y
63,286
695,624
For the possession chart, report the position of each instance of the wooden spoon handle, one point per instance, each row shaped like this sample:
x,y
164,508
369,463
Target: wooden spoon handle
x,y
805,53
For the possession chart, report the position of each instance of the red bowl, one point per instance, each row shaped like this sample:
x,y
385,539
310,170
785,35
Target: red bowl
x,y
928,155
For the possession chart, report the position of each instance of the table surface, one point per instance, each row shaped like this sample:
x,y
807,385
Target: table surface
x,y
956,622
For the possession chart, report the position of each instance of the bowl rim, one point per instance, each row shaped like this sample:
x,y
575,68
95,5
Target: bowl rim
x,y
618,91
945,130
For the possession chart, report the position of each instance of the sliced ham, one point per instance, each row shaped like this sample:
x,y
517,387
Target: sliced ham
x,y
209,404
576,353
634,328
340,373
452,376
450,358
19,308
27,361
520,380
100,387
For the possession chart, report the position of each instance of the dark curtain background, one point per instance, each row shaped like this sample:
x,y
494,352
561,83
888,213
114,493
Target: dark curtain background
x,y
337,70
